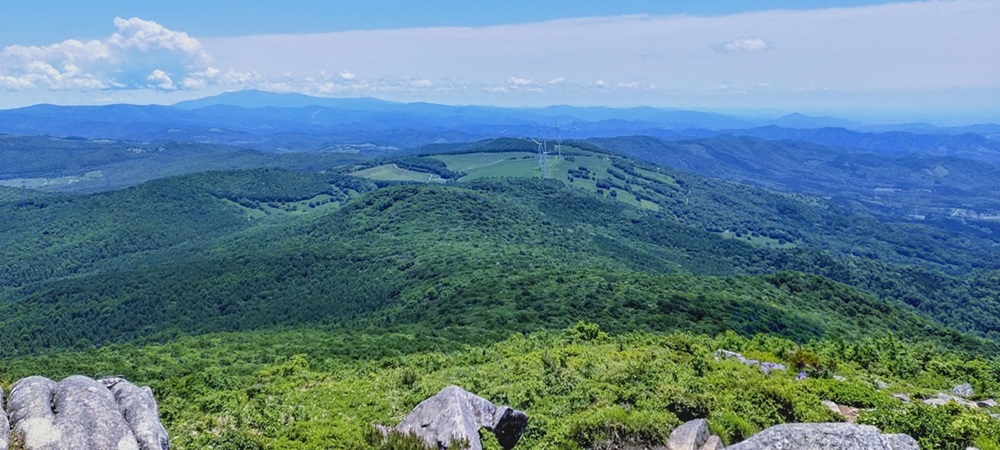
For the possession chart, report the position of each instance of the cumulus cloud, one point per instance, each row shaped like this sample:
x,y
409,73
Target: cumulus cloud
x,y
743,46
345,75
141,54
160,79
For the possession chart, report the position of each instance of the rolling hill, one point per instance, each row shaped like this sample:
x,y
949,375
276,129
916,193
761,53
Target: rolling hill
x,y
281,309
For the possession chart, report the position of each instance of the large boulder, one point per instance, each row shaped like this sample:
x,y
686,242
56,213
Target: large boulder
x,y
80,412
139,409
826,436
690,436
456,415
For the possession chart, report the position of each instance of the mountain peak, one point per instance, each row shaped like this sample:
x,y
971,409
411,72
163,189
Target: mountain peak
x,y
253,99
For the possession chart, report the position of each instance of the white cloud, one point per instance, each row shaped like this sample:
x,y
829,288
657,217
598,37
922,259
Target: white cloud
x,y
517,81
744,46
557,80
141,54
345,75
421,83
159,79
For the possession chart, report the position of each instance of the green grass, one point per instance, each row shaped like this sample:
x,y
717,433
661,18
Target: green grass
x,y
317,204
491,165
390,172
657,176
525,165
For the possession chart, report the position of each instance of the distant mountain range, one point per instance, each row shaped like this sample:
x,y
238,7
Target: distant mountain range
x,y
294,122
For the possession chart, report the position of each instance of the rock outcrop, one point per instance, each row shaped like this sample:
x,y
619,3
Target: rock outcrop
x,y
80,412
963,390
943,399
693,435
826,436
765,367
455,415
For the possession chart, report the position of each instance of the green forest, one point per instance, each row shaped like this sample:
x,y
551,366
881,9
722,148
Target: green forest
x,y
270,308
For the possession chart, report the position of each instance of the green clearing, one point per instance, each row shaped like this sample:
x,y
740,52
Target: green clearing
x,y
494,165
317,204
391,172
566,169
758,240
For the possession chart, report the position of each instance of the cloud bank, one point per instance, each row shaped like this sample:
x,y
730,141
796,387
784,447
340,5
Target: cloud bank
x,y
141,55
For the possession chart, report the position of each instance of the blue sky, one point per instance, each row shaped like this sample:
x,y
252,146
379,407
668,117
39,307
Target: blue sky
x,y
909,60
43,22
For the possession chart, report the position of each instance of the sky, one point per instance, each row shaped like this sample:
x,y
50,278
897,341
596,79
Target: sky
x,y
929,60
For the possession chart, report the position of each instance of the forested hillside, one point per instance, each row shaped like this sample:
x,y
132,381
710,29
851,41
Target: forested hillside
x,y
402,277
911,185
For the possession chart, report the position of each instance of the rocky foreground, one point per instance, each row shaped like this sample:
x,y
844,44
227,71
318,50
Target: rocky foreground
x,y
112,413
81,413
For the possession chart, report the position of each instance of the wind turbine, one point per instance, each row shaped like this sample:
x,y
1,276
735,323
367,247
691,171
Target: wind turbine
x,y
558,137
543,158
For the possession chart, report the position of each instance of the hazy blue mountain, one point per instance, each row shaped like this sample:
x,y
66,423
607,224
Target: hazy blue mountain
x,y
797,120
966,145
295,122
261,99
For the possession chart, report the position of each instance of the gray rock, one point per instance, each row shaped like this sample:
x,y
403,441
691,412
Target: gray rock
x,y
4,425
765,367
879,384
902,397
943,399
963,390
140,411
826,436
899,442
839,378
690,436
988,403
455,414
81,413
713,443
832,406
